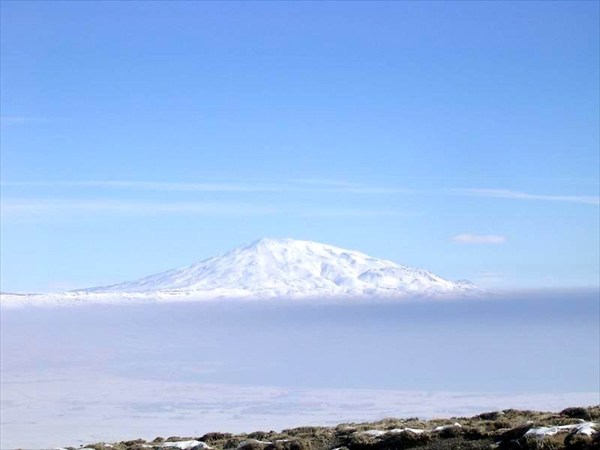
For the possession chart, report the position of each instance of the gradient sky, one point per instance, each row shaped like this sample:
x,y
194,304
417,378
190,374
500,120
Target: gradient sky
x,y
141,136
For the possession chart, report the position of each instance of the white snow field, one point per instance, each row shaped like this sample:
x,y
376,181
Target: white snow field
x,y
268,268
72,376
64,408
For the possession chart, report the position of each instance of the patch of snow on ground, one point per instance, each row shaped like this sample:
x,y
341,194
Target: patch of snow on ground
x,y
184,445
375,433
379,433
587,428
402,430
582,428
445,427
253,441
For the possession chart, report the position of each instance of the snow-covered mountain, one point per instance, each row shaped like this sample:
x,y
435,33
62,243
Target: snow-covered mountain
x,y
280,267
270,268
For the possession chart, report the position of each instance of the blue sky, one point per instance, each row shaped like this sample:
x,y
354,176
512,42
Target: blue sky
x,y
462,137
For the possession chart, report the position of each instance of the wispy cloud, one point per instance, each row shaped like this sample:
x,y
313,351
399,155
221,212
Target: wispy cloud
x,y
324,182
148,185
43,206
218,186
517,195
298,185
14,120
56,207
468,238
349,212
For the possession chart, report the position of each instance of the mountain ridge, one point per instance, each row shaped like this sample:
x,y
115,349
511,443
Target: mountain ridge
x,y
287,266
272,268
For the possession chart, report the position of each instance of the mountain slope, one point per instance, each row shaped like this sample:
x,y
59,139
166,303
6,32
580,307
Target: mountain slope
x,y
287,267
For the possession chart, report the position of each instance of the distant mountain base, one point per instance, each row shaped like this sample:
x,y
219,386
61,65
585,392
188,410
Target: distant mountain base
x,y
74,298
571,429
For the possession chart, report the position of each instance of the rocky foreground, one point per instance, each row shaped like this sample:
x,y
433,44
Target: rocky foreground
x,y
573,428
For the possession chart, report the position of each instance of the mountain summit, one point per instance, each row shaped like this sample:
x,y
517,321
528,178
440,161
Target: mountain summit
x,y
289,268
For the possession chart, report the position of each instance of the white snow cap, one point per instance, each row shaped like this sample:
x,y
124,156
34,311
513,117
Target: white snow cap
x,y
267,268
282,267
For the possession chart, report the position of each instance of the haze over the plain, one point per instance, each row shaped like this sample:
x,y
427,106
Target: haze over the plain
x,y
101,372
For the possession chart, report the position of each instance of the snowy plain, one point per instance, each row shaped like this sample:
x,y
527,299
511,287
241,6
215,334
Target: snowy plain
x,y
71,376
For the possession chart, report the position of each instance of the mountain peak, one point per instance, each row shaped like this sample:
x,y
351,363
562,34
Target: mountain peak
x,y
267,242
284,267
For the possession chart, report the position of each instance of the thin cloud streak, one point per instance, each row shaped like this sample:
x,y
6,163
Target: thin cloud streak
x,y
516,195
14,120
37,207
325,213
148,185
468,238
301,186
288,186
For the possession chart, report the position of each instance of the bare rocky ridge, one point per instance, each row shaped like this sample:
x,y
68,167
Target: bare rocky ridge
x,y
571,429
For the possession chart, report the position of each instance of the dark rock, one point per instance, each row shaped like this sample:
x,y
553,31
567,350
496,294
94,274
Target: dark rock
x,y
133,444
261,435
545,443
252,445
176,438
213,437
360,441
405,439
494,415
232,442
450,432
579,442
476,433
295,444
577,413
515,433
